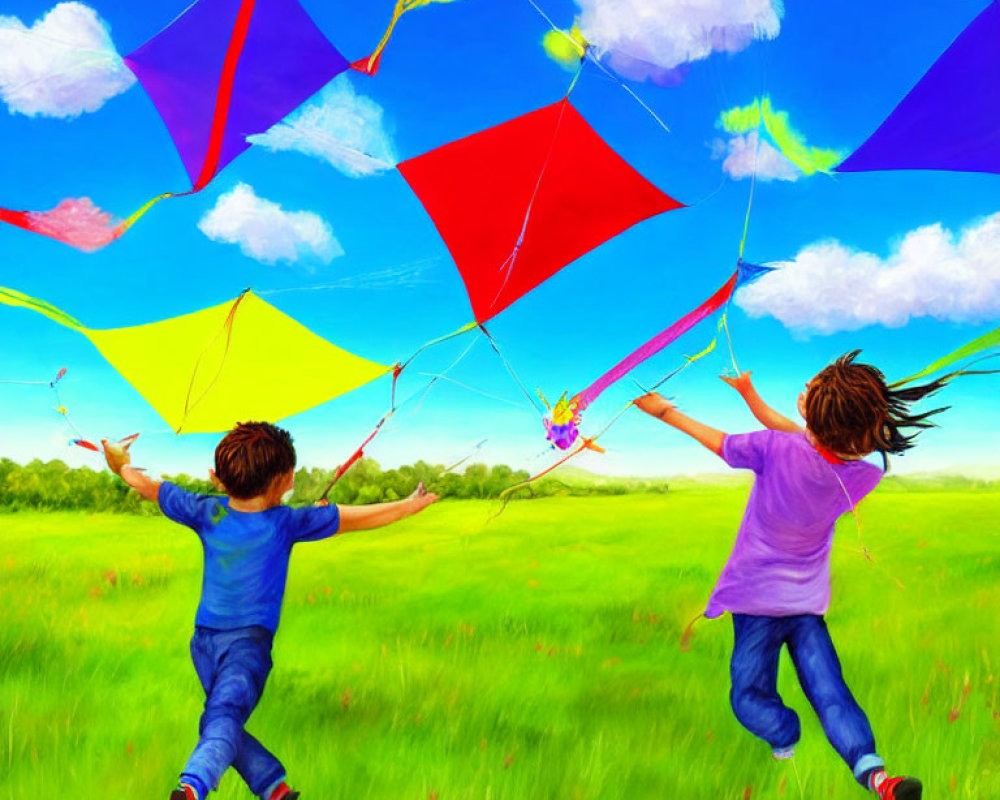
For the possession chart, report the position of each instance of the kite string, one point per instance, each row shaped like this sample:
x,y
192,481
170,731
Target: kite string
x,y
724,322
405,275
596,61
449,368
403,365
109,55
645,106
510,370
397,370
468,387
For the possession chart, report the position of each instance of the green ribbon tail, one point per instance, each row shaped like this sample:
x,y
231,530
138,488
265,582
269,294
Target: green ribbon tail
x,y
984,342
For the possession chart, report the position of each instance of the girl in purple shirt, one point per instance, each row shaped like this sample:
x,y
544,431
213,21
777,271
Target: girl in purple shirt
x,y
776,583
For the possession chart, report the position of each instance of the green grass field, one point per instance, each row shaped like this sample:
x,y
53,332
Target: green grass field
x,y
534,656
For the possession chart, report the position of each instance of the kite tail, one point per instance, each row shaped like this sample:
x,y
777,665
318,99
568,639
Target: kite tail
x,y
370,64
12,297
985,342
657,343
507,494
356,456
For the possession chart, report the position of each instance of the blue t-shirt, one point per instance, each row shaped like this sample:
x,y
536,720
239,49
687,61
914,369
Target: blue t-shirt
x,y
246,554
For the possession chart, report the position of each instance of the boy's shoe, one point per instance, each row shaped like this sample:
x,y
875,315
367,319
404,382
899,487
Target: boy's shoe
x,y
900,789
184,793
284,792
783,753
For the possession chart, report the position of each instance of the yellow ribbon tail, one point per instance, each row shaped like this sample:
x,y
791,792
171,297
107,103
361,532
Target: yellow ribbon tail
x,y
135,216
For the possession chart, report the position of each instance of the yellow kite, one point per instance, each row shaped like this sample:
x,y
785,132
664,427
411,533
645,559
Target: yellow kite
x,y
241,360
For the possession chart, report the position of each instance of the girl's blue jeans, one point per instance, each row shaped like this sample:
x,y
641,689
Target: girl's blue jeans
x,y
755,699
232,667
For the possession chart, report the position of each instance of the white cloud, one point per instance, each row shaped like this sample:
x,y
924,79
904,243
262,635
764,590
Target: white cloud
x,y
265,231
654,39
933,272
62,66
742,158
339,126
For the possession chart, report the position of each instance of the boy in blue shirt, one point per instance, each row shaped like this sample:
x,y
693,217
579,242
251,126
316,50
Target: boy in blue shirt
x,y
247,537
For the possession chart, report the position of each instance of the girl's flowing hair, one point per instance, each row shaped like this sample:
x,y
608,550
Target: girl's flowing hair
x,y
850,409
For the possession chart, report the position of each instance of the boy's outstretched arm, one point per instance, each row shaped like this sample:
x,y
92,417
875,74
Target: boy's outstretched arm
x,y
657,406
119,461
766,415
363,518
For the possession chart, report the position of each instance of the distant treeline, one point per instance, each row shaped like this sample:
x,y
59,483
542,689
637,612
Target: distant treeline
x,y
53,486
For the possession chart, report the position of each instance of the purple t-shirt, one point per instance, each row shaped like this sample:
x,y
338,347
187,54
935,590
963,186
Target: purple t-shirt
x,y
780,564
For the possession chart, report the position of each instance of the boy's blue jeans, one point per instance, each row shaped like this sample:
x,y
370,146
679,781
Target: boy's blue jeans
x,y
755,699
232,667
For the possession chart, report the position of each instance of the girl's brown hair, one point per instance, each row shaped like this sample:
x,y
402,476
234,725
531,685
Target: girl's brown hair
x,y
251,456
851,410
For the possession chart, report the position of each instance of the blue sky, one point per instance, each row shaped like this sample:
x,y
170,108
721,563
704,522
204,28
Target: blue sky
x,y
452,70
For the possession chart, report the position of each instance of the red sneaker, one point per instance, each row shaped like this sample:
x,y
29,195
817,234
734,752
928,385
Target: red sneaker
x,y
900,789
283,792
184,793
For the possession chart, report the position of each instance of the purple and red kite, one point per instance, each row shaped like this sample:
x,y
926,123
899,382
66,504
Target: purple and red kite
x,y
221,71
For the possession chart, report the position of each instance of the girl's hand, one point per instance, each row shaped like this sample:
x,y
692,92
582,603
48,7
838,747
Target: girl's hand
x,y
420,499
741,383
654,404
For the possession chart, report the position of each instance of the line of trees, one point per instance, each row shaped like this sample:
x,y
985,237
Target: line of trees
x,y
53,486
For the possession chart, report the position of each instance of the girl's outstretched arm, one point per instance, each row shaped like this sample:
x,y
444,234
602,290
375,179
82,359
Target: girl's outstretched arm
x,y
658,406
766,415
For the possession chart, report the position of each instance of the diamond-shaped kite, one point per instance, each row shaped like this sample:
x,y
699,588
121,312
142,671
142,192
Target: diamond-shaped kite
x,y
518,202
223,70
241,360
226,69
951,119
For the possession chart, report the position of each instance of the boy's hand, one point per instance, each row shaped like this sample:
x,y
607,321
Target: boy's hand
x,y
117,455
654,404
741,383
421,498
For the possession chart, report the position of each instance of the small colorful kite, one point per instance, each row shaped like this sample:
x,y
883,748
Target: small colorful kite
x,y
204,372
222,71
951,119
518,202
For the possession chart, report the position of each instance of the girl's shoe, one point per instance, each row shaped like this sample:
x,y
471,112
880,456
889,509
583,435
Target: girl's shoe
x,y
284,792
184,793
900,789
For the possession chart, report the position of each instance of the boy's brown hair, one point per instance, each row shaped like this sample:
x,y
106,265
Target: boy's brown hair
x,y
251,456
851,410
